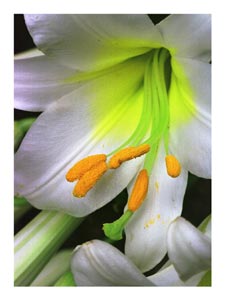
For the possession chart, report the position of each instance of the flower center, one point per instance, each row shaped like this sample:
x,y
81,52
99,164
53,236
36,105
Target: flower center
x,y
152,128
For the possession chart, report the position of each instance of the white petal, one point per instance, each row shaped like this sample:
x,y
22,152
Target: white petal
x,y
97,263
38,82
169,277
90,42
190,111
166,277
147,229
96,118
188,35
28,54
189,250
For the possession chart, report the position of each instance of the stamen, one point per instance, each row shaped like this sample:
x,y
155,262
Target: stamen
x,y
173,166
114,230
139,191
127,154
89,179
84,165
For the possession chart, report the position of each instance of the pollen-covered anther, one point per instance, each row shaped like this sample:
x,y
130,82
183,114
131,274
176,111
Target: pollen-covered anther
x,y
127,154
84,165
89,179
173,166
139,191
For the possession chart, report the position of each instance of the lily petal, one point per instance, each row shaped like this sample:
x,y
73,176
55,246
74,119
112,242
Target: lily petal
x,y
97,263
146,231
92,42
189,250
38,82
169,277
193,41
74,127
28,54
190,115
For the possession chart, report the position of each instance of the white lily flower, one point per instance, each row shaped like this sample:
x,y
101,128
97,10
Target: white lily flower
x,y
97,263
189,249
108,82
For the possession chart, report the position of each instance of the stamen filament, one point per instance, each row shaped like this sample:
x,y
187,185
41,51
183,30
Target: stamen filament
x,y
154,119
160,114
160,106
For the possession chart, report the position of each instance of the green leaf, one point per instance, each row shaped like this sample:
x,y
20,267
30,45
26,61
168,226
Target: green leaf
x,y
20,129
20,201
202,227
54,269
21,207
66,280
206,280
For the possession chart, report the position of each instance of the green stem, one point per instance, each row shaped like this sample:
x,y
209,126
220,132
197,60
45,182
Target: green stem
x,y
66,280
20,129
54,269
21,207
38,241
20,211
19,201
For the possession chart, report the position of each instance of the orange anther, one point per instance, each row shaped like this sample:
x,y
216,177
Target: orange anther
x,y
127,154
173,166
84,165
139,191
89,179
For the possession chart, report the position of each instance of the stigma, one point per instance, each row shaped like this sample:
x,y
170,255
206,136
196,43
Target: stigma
x,y
173,166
